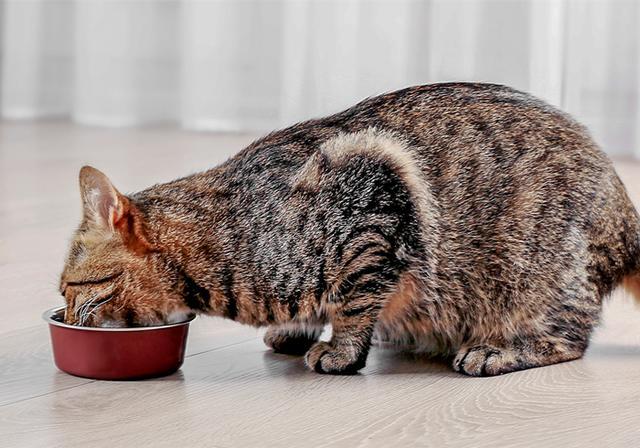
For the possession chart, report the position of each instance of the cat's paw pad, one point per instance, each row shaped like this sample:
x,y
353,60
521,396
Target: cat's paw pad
x,y
484,360
290,344
322,357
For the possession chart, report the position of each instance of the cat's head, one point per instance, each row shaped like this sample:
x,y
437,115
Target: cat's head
x,y
113,276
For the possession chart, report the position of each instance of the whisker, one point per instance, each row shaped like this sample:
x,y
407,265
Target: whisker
x,y
86,310
82,314
91,312
80,311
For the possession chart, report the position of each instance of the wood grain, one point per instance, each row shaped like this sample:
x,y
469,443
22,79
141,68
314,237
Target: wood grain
x,y
231,390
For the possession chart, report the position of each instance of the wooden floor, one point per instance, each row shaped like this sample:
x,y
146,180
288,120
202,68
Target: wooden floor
x,y
231,390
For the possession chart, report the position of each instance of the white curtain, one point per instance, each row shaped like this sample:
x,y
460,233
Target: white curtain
x,y
257,65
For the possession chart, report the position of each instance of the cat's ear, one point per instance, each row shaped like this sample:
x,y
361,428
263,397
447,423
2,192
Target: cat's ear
x,y
103,205
106,209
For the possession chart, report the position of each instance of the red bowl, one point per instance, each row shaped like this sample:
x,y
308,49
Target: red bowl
x,y
116,353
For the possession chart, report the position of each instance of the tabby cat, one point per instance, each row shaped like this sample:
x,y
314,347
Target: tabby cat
x,y
469,220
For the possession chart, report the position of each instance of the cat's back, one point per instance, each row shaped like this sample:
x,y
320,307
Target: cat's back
x,y
436,119
492,157
473,142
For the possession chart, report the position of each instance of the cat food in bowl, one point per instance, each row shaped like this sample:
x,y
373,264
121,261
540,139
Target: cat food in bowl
x,y
116,353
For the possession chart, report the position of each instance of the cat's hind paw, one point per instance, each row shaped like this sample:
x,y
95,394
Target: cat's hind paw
x,y
324,358
288,343
485,360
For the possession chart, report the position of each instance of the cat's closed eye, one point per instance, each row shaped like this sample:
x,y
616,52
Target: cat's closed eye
x,y
93,281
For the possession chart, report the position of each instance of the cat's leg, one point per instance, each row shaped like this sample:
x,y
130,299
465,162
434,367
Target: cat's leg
x,y
565,339
353,323
559,332
292,340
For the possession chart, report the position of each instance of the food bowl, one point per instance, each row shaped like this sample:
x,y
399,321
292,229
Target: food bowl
x,y
116,353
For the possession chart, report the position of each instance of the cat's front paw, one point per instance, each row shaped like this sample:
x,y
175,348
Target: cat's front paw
x,y
322,357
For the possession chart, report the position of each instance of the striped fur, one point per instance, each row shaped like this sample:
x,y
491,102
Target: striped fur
x,y
469,220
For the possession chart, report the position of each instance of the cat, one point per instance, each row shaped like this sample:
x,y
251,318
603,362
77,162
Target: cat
x,y
470,220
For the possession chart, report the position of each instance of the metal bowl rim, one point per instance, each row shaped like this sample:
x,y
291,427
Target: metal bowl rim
x,y
48,317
